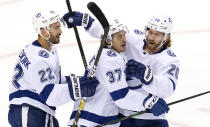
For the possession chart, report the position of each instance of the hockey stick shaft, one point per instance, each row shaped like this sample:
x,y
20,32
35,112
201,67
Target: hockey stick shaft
x,y
188,98
140,113
77,37
105,24
83,60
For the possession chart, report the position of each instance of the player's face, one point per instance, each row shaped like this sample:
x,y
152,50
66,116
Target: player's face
x,y
119,41
55,32
154,39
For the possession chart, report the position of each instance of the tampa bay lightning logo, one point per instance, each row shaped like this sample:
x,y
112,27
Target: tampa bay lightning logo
x,y
43,53
111,53
38,15
52,12
170,53
136,31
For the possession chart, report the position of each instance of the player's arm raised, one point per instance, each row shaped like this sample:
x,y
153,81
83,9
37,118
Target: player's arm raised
x,y
92,26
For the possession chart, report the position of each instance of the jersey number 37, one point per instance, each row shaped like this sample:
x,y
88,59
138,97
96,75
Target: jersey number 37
x,y
114,75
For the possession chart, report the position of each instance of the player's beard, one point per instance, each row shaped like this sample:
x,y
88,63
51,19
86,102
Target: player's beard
x,y
152,46
54,39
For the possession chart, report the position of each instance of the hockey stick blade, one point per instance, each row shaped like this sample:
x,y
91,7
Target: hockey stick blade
x,y
105,24
142,112
98,14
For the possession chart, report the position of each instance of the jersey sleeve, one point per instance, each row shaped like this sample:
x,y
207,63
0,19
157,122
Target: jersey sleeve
x,y
114,80
96,30
164,83
46,84
63,79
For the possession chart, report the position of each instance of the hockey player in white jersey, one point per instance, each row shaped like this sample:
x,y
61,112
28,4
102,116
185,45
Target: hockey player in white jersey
x,y
37,86
113,92
149,53
152,49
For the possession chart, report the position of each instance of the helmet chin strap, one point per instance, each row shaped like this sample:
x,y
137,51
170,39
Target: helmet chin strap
x,y
163,41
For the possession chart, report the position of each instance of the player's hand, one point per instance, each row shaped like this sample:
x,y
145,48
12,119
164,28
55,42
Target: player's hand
x,y
78,19
139,70
88,86
81,86
156,105
86,73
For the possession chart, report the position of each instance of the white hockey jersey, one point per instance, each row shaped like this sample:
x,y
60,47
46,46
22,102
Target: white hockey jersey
x,y
37,80
111,94
164,65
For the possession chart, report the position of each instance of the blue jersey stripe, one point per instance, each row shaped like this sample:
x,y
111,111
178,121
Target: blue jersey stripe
x,y
174,86
46,92
17,85
121,93
29,94
94,117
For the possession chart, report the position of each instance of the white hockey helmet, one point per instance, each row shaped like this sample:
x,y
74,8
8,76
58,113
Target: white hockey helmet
x,y
115,26
43,19
161,23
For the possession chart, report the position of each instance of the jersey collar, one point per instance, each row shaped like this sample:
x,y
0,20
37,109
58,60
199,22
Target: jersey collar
x,y
36,43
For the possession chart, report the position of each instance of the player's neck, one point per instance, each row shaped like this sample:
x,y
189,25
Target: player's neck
x,y
43,42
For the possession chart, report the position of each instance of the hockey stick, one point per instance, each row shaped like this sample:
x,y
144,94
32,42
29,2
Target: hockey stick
x,y
77,37
105,24
139,113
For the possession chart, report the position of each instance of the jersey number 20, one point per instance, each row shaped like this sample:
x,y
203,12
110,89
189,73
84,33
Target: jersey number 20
x,y
174,71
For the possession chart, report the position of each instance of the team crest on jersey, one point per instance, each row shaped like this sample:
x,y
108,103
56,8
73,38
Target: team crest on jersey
x,y
136,31
170,53
111,53
43,53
